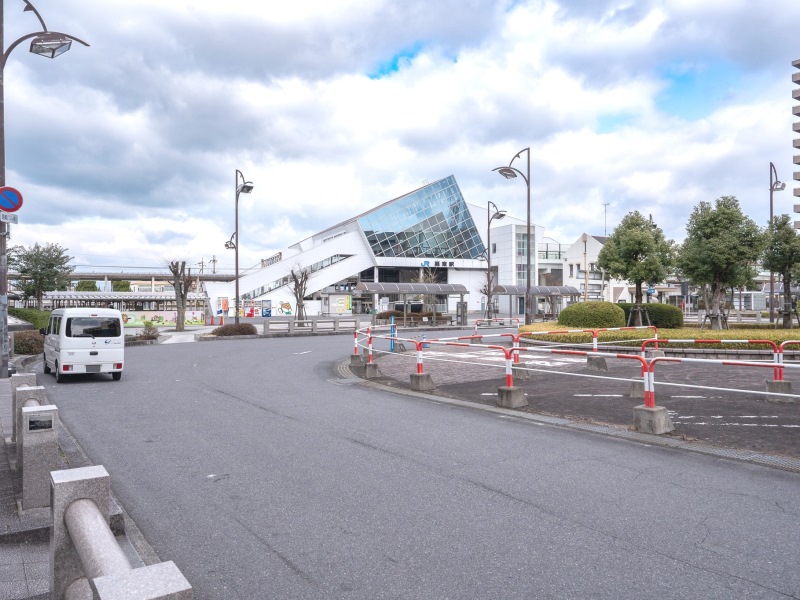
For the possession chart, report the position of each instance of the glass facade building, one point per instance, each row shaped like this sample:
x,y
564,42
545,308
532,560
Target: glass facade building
x,y
431,222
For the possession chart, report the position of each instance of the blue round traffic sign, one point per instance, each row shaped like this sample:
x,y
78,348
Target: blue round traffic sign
x,y
10,199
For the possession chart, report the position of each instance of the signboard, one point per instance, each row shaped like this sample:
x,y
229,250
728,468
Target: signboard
x,y
651,291
39,421
10,199
8,218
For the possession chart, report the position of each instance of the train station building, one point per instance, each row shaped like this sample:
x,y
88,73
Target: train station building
x,y
429,235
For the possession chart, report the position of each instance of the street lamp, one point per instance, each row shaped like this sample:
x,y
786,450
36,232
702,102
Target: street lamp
x,y
510,172
245,187
498,214
44,43
775,185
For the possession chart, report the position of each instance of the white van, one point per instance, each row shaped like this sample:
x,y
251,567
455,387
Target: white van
x,y
84,340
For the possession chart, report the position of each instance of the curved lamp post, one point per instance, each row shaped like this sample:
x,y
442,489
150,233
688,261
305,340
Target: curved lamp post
x,y
44,43
242,187
775,185
498,214
510,172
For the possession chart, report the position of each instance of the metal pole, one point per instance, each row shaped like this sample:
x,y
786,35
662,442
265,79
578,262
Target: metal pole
x,y
236,251
3,226
771,274
528,319
489,261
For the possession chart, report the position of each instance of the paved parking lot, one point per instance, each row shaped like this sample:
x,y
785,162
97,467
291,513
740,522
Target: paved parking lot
x,y
563,386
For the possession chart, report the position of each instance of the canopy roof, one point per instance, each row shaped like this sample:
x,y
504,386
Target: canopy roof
x,y
412,288
537,290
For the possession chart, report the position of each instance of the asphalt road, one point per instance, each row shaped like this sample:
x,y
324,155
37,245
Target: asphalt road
x,y
263,475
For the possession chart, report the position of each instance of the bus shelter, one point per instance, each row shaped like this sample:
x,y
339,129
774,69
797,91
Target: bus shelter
x,y
404,290
552,295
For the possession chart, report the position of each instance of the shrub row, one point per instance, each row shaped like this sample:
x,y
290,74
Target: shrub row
x,y
634,338
28,342
37,318
592,314
234,329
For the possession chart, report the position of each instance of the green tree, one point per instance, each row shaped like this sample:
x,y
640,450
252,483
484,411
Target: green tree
x,y
720,249
782,255
637,251
84,285
41,269
121,286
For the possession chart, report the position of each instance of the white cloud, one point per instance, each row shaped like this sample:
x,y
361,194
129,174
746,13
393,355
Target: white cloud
x,y
128,148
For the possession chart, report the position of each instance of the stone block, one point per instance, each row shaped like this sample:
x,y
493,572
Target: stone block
x,y
596,363
780,387
356,360
40,454
652,420
520,372
66,486
653,353
511,397
372,371
637,388
162,581
18,380
25,393
422,382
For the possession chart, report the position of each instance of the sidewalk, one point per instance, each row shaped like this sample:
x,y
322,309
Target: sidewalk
x,y
24,545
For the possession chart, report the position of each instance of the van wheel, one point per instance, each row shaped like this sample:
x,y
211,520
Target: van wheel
x,y
44,360
117,375
59,376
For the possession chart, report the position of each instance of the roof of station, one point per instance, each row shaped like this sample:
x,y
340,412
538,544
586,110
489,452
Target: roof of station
x,y
123,296
412,288
538,290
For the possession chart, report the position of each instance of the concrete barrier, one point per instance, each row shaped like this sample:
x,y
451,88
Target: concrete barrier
x,y
85,560
39,441
24,379
23,394
314,324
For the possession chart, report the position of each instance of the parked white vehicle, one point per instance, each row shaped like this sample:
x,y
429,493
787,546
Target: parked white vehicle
x,y
84,340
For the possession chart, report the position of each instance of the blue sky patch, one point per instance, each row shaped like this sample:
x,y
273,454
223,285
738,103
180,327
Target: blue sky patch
x,y
695,91
393,64
611,123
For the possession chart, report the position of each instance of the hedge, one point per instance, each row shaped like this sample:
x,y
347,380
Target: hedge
x,y
28,342
663,316
592,314
37,318
235,329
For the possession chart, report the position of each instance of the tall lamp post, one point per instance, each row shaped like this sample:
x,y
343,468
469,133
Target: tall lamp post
x,y
498,214
775,185
242,187
44,43
511,172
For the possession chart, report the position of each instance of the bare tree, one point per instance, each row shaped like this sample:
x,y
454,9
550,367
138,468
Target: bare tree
x,y
300,276
182,282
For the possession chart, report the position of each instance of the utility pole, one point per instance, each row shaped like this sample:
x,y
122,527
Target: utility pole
x,y
605,217
201,264
213,262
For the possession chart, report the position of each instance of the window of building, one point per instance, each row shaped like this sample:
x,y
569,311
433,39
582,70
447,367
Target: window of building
x,y
494,248
432,222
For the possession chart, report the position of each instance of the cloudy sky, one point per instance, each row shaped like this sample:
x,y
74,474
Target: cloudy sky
x,y
125,152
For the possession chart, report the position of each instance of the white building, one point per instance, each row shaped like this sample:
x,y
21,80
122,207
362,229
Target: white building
x,y
431,231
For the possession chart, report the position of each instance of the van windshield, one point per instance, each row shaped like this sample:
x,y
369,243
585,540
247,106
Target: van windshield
x,y
93,327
